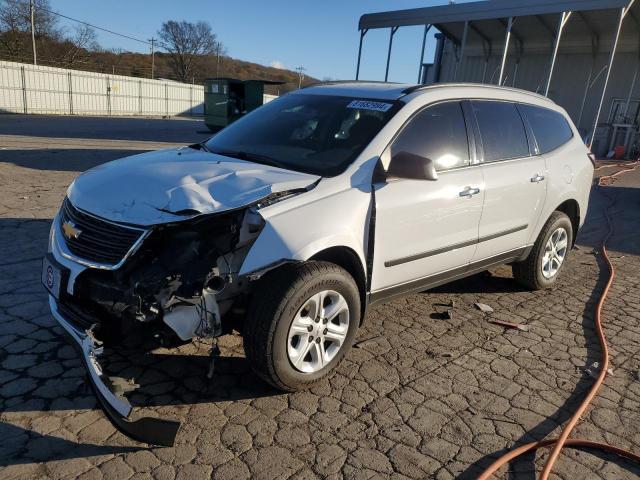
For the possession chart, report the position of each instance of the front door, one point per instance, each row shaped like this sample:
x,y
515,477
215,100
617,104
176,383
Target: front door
x,y
425,227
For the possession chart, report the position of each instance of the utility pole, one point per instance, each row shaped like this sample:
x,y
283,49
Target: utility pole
x,y
300,71
33,32
218,51
153,56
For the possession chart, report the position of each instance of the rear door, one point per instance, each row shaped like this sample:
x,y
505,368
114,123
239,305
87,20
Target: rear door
x,y
515,179
426,227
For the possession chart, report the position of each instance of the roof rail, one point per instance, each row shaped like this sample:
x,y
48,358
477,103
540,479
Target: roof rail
x,y
340,82
416,88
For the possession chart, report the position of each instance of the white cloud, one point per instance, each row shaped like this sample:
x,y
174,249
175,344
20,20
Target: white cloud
x,y
278,64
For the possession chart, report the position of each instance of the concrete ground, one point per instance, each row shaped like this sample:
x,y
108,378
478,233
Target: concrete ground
x,y
419,397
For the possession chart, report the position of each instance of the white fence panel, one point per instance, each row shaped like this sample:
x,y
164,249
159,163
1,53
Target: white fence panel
x,y
27,88
125,95
12,89
89,94
47,91
153,97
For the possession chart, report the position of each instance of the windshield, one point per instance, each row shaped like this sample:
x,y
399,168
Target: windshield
x,y
316,134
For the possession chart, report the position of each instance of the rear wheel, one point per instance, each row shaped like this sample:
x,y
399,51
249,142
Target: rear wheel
x,y
545,261
301,323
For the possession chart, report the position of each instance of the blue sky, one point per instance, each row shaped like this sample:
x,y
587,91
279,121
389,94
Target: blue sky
x,y
319,35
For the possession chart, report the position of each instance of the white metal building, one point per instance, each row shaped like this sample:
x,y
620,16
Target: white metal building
x,y
584,54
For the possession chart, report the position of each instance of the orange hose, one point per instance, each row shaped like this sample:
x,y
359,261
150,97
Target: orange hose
x,y
628,166
559,443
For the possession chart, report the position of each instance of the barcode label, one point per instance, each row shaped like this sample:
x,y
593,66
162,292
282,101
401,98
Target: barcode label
x,y
369,105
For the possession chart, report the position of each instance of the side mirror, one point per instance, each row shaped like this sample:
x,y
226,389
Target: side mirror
x,y
412,166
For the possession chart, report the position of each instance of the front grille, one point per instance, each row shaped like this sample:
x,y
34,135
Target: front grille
x,y
99,241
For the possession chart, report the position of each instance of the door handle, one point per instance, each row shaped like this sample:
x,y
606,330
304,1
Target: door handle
x,y
537,178
469,192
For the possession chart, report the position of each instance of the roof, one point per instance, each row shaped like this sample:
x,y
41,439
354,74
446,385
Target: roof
x,y
536,20
364,89
395,91
483,10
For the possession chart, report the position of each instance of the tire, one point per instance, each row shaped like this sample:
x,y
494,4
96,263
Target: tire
x,y
533,271
269,338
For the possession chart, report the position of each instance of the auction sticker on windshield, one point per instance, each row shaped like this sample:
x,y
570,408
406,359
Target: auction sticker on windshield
x,y
369,105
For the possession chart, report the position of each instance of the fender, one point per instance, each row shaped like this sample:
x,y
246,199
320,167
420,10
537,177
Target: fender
x,y
299,233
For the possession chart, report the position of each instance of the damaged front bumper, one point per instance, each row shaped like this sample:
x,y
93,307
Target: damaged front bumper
x,y
150,430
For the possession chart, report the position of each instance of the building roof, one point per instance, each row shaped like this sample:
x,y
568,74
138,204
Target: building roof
x,y
536,20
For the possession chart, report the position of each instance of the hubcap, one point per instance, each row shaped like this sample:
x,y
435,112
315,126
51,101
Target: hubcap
x,y
318,331
554,253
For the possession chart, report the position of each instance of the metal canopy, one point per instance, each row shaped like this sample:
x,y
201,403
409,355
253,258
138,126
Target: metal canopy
x,y
535,28
523,25
481,11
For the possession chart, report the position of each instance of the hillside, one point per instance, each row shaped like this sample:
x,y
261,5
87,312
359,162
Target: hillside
x,y
65,54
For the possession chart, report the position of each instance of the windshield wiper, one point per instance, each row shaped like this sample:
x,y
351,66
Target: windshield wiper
x,y
251,157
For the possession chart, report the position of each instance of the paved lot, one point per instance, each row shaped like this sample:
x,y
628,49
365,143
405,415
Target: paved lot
x,y
420,396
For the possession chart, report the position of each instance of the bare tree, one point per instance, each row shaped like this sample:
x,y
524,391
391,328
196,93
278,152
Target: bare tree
x,y
80,44
16,15
300,71
15,25
187,43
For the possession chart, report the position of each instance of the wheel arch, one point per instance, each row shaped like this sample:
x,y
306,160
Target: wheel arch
x,y
348,259
571,208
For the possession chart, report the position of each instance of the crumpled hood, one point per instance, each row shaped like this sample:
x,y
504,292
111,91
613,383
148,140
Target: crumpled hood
x,y
174,184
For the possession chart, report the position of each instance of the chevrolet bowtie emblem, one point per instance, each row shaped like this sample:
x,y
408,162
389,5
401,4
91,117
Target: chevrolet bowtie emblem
x,y
70,230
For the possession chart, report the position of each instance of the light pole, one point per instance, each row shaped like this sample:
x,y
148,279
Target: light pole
x,y
33,32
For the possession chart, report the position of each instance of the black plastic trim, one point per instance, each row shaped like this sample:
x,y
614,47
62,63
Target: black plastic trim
x,y
509,231
446,277
430,253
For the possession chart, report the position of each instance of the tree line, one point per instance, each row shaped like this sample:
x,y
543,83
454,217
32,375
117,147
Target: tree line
x,y
188,52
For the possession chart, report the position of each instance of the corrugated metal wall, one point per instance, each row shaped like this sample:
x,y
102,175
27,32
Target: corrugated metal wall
x,y
27,88
569,83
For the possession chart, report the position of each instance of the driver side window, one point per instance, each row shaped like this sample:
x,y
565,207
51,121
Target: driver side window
x,y
438,133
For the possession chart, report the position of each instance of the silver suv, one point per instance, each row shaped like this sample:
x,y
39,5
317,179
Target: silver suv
x,y
288,224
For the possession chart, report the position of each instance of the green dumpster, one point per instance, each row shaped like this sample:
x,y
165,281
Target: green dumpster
x,y
227,99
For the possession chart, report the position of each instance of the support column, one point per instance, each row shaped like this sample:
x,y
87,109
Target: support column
x,y
564,18
362,34
24,89
166,99
462,45
595,47
623,12
507,38
424,42
108,97
70,85
391,34
632,88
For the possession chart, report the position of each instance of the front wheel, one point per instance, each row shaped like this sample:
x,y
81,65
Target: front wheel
x,y
547,257
301,323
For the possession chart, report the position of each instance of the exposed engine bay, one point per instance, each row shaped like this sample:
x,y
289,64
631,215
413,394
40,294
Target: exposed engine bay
x,y
180,283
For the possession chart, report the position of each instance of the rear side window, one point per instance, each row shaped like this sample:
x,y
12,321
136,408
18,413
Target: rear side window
x,y
439,133
503,133
550,128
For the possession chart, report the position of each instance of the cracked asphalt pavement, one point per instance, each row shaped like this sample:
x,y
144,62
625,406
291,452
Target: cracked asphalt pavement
x,y
420,396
